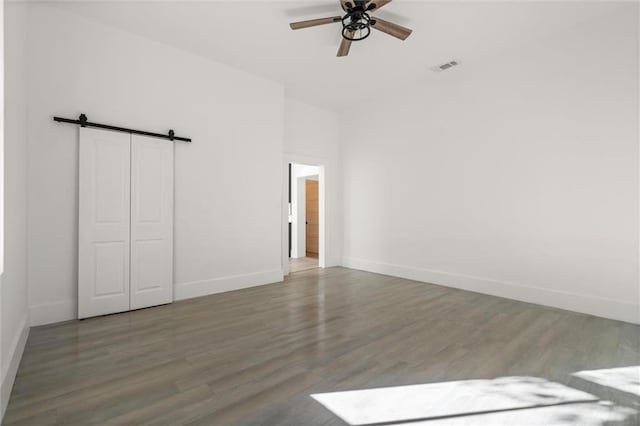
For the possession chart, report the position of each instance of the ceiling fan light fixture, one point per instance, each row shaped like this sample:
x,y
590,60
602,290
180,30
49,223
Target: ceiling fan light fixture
x,y
356,25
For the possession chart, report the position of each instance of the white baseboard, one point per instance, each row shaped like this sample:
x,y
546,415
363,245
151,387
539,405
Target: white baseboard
x,y
16,351
192,289
48,313
332,261
64,310
607,308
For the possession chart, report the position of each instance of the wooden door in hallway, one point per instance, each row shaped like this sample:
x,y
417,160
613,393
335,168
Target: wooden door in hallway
x,y
312,208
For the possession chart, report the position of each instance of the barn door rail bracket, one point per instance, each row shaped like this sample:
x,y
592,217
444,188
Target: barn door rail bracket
x,y
82,121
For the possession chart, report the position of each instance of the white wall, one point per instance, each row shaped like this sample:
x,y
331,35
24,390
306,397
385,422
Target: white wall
x,y
13,306
298,206
227,221
516,177
311,137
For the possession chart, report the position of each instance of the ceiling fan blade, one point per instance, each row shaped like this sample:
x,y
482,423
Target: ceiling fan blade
x,y
392,29
314,22
377,4
345,45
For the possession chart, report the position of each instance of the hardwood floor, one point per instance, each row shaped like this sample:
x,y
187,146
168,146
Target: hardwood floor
x,y
255,356
302,264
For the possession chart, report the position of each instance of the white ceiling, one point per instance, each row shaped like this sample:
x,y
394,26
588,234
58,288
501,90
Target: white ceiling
x,y
255,36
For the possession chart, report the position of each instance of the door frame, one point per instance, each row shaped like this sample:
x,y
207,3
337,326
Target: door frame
x,y
322,231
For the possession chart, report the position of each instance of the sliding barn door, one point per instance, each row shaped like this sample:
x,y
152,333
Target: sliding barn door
x,y
151,221
103,228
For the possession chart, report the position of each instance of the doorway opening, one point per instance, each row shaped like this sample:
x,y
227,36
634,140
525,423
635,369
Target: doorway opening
x,y
304,217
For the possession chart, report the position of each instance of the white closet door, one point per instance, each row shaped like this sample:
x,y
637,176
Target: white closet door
x,y
103,222
151,221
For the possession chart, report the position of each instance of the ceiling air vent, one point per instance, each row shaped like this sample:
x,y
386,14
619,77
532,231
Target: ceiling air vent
x,y
445,66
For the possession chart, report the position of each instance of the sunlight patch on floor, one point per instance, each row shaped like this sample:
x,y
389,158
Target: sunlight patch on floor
x,y
625,379
437,400
577,414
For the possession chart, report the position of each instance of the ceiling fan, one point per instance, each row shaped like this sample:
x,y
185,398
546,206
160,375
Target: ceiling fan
x,y
357,23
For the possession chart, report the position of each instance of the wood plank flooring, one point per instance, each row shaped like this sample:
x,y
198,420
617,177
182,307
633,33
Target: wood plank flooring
x,y
254,356
302,264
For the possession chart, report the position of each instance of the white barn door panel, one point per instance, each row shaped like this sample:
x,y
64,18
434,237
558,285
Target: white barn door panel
x,y
151,221
103,228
